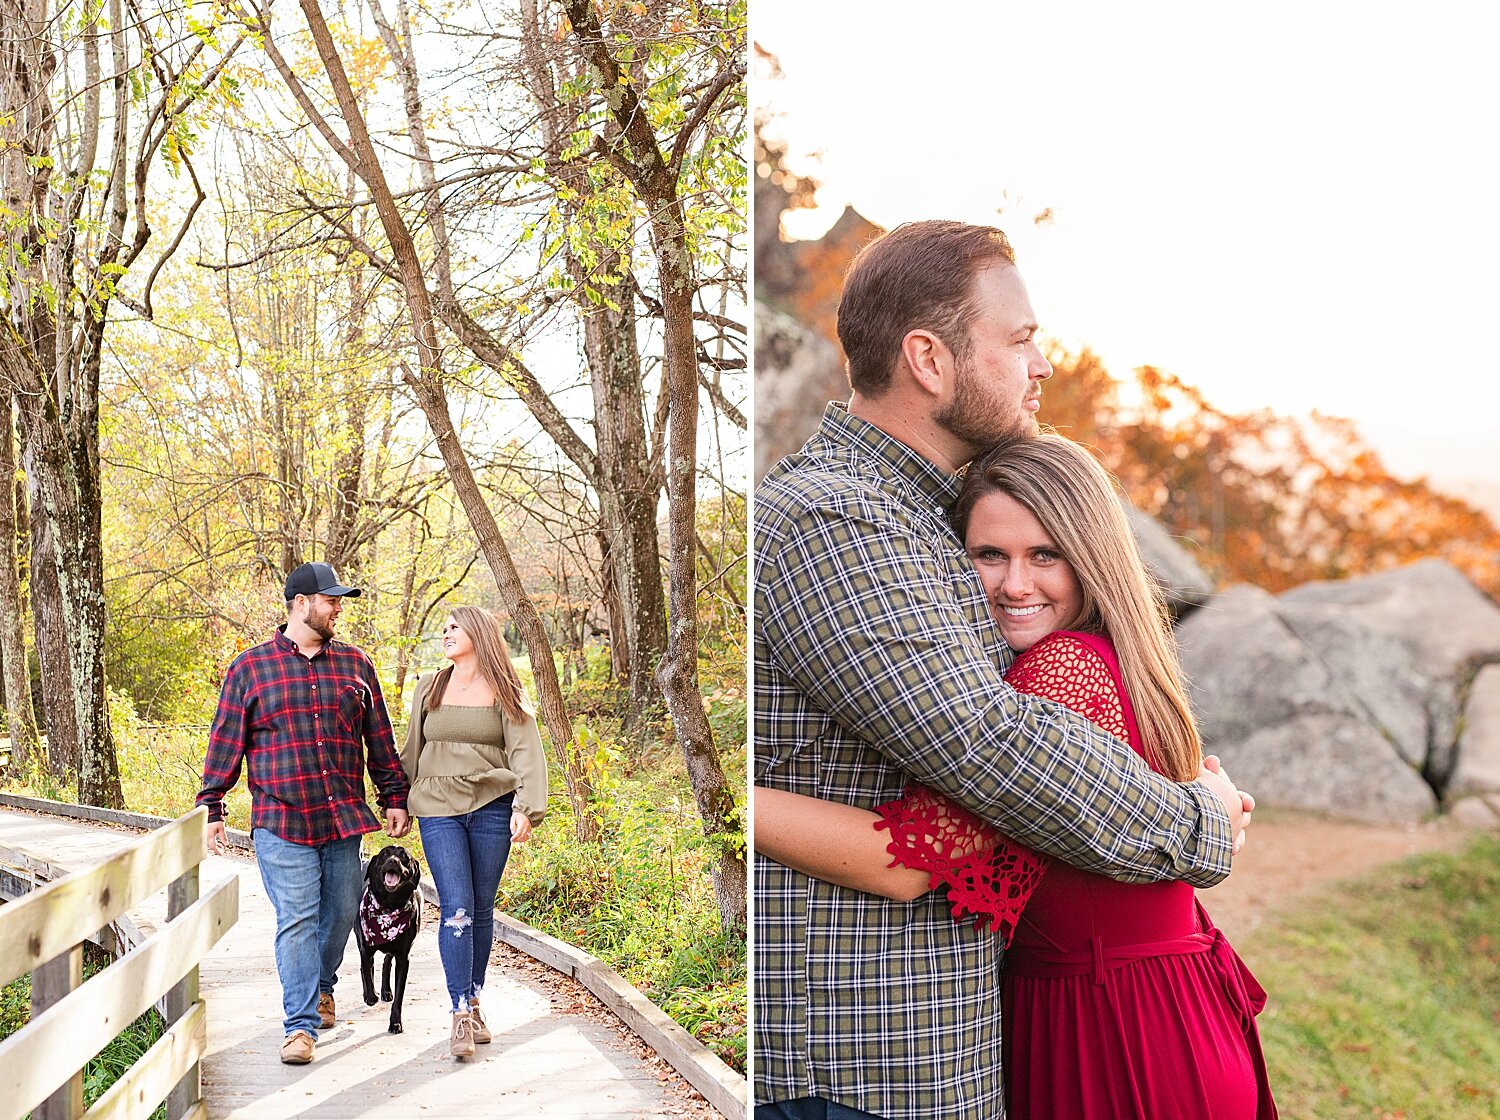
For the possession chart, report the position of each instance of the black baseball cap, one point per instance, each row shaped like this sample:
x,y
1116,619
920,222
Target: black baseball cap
x,y
315,579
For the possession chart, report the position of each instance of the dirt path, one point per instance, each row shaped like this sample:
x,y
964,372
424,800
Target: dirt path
x,y
1291,855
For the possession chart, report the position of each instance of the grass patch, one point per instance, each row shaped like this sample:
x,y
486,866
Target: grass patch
x,y
111,1063
1385,993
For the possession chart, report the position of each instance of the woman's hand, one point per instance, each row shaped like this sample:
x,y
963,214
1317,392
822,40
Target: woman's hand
x,y
1241,821
520,827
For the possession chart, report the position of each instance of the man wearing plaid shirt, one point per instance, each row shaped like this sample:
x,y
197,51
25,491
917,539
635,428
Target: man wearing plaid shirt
x,y
302,711
877,663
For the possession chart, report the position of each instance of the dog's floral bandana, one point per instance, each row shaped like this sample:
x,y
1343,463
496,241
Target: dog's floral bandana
x,y
380,927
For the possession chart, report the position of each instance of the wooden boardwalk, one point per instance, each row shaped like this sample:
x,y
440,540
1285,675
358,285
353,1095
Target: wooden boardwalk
x,y
542,1063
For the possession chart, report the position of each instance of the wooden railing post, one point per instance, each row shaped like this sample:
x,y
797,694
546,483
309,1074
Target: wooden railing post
x,y
71,1020
49,983
181,894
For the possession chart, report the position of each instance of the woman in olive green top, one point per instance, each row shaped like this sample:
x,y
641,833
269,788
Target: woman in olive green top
x,y
478,782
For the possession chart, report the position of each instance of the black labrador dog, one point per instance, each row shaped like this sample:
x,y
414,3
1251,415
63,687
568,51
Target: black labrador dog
x,y
390,913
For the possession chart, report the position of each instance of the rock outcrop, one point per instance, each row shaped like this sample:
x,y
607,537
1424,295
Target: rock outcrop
x,y
796,374
1363,697
1183,582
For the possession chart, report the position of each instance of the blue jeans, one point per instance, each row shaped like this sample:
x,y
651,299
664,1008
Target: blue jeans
x,y
810,1108
315,891
466,855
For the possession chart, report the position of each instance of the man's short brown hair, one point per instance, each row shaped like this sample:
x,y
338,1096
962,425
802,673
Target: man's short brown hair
x,y
919,276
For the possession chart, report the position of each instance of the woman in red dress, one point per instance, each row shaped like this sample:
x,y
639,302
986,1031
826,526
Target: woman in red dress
x,y
1122,1001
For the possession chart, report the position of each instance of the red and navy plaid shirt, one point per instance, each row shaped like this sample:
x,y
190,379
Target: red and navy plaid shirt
x,y
298,723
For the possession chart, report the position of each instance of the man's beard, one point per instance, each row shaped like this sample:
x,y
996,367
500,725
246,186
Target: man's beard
x,y
322,627
979,419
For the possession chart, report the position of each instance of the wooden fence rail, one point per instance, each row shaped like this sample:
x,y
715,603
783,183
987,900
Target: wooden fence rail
x,y
41,1065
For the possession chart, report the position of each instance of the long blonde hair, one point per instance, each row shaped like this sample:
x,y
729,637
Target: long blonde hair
x,y
1075,499
494,664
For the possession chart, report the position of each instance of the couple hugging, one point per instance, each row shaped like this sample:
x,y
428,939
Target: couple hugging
x,y
304,714
974,674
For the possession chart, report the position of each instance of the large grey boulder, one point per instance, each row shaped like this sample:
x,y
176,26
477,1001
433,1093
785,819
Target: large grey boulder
x,y
1434,611
1475,786
1284,696
1370,697
1430,606
1333,763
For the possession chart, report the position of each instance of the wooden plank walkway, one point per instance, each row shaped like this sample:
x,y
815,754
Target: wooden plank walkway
x,y
541,1063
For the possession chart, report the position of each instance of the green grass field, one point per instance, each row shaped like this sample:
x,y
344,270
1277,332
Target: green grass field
x,y
1385,993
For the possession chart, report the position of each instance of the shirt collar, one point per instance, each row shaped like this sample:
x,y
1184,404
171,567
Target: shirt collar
x,y
891,456
286,645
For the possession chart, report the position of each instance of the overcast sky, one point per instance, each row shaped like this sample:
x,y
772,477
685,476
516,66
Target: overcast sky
x,y
1290,205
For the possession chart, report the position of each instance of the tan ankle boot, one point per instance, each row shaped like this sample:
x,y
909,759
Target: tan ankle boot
x,y
461,1041
480,1027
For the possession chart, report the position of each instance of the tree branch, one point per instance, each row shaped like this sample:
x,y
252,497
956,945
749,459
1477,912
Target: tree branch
x,y
725,79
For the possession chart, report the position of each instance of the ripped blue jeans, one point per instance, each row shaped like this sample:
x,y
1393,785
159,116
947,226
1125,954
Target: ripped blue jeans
x,y
466,855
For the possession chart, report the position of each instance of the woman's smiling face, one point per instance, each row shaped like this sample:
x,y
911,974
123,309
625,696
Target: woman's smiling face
x,y
456,642
1031,588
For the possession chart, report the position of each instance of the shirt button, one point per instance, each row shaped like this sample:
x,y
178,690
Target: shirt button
x,y
330,797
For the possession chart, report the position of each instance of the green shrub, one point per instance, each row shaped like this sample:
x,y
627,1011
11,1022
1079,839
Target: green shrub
x,y
642,901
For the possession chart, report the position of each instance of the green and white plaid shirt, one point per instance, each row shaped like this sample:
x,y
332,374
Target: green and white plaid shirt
x,y
876,662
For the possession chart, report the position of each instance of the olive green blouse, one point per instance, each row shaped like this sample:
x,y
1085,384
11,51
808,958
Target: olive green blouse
x,y
461,758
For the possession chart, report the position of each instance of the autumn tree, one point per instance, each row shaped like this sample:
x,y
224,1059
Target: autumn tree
x,y
645,131
1268,499
95,98
426,381
259,423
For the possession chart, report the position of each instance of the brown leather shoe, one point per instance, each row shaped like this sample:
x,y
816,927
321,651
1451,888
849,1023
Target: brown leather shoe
x,y
297,1050
477,1025
461,1041
325,1009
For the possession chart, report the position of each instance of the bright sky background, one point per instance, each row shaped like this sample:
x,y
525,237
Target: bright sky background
x,y
1293,205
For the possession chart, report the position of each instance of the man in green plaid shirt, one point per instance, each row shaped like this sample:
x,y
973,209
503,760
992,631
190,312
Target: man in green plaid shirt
x,y
877,663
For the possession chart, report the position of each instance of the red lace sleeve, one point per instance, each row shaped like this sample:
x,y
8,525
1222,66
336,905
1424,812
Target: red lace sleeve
x,y
989,877
1063,668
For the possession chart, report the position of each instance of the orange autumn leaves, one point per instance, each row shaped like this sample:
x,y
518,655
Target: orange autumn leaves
x,y
1266,499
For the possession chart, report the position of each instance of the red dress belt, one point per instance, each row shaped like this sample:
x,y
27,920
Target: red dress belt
x,y
1245,994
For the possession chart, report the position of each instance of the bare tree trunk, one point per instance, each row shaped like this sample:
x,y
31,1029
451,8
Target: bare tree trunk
x,y
20,716
427,386
627,490
679,668
51,646
345,549
68,594
406,614
655,181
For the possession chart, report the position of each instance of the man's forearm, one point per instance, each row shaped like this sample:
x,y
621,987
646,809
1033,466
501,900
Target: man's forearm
x,y
833,842
1052,780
